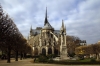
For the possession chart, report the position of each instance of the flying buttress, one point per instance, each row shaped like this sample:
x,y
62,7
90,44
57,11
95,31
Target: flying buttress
x,y
54,36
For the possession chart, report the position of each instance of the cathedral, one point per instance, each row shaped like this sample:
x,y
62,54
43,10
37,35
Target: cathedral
x,y
46,40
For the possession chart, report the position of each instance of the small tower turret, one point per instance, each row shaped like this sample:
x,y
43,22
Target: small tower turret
x,y
31,31
62,27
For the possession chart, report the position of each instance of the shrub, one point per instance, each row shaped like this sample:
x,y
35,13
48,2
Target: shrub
x,y
92,60
50,56
42,58
50,60
36,60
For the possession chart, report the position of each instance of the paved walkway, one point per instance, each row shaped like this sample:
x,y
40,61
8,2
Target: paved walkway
x,y
26,62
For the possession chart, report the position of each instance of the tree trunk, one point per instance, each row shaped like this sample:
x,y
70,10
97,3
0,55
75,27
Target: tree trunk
x,y
16,58
21,55
8,54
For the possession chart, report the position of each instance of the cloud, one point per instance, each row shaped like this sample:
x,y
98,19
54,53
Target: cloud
x,y
80,16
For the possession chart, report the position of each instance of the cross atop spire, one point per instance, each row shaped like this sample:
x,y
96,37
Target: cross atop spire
x,y
46,20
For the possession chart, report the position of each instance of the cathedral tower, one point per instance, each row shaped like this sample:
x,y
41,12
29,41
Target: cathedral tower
x,y
31,32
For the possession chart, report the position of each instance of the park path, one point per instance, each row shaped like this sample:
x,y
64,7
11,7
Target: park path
x,y
26,62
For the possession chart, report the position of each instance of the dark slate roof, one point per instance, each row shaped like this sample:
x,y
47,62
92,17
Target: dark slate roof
x,y
35,32
47,26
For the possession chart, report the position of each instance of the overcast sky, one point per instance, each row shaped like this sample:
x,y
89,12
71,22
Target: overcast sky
x,y
81,17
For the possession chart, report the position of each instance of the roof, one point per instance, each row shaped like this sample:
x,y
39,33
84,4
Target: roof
x,y
35,31
47,26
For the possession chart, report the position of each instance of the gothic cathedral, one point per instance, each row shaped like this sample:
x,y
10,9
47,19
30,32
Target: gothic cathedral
x,y
46,40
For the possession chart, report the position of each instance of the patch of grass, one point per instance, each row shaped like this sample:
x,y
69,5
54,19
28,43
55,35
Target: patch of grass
x,y
85,60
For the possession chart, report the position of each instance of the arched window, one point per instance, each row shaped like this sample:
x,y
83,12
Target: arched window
x,y
49,51
56,51
44,51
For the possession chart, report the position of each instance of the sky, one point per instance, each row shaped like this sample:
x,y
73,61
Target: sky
x,y
81,17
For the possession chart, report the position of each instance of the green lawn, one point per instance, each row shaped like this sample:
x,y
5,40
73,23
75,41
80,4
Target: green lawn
x,y
85,60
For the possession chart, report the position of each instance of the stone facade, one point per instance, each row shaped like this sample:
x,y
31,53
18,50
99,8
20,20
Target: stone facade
x,y
46,40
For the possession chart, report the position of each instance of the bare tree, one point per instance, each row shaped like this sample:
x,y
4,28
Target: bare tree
x,y
72,43
10,36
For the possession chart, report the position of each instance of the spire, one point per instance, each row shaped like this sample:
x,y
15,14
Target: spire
x,y
31,31
62,27
46,20
46,13
31,27
62,24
